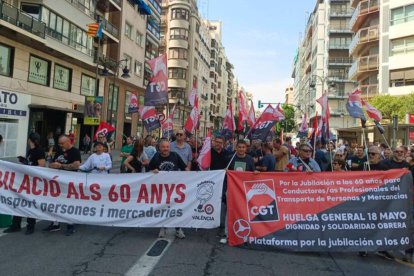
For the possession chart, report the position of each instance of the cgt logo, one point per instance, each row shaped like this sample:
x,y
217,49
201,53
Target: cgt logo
x,y
261,201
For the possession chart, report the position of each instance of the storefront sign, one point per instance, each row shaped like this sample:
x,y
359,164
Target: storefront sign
x,y
13,104
62,78
39,70
88,85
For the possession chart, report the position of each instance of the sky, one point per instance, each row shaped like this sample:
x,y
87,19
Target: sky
x,y
260,40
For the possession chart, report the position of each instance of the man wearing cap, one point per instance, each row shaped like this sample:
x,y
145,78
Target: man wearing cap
x,y
99,162
303,162
182,148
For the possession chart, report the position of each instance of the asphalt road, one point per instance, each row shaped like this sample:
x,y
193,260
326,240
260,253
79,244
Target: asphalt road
x,y
96,250
115,251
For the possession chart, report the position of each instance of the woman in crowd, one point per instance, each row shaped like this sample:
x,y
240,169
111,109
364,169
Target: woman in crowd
x,y
138,159
35,156
99,162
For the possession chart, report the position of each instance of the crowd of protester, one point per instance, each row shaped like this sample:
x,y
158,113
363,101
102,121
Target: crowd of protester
x,y
180,154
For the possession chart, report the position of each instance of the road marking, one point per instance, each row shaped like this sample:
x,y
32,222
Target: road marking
x,y
404,263
146,264
1,232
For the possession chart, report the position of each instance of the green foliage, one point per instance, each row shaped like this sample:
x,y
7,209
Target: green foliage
x,y
394,105
289,123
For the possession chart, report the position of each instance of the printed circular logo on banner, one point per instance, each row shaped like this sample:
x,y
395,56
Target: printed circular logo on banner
x,y
205,191
209,209
242,229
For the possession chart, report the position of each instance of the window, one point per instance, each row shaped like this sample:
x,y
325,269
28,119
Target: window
x,y
62,78
402,15
177,73
127,100
177,53
179,33
128,30
138,68
402,46
402,77
113,98
66,32
195,63
6,60
181,14
88,86
139,39
39,70
31,9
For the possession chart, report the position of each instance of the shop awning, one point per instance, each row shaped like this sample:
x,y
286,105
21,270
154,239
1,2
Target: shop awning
x,y
39,106
143,8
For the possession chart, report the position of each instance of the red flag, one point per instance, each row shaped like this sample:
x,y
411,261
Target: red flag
x,y
278,113
325,114
156,92
354,105
242,111
251,119
105,129
304,125
193,94
204,159
150,117
372,112
263,125
192,121
228,124
168,125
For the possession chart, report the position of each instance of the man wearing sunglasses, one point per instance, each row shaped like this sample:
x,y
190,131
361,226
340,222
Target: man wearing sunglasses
x,y
374,159
303,162
183,149
396,162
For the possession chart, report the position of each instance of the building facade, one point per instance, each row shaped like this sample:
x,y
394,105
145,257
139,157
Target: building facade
x,y
196,59
322,62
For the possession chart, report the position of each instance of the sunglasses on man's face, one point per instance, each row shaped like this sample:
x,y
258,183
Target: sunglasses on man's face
x,y
179,134
372,153
307,150
398,151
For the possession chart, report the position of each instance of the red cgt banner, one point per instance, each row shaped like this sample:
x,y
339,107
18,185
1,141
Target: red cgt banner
x,y
349,211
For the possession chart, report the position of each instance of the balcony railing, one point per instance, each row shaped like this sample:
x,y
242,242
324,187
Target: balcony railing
x,y
341,28
364,35
107,26
22,20
340,60
369,90
156,6
364,7
340,46
340,13
364,64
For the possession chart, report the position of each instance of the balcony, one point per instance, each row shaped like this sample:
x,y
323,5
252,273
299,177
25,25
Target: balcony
x,y
341,13
340,61
369,90
108,5
365,8
363,65
338,46
108,27
155,5
21,20
339,28
363,37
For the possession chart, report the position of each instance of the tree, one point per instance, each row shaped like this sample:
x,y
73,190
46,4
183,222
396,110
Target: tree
x,y
289,123
394,105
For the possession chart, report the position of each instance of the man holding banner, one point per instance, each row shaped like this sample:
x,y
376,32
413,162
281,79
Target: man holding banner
x,y
166,160
66,158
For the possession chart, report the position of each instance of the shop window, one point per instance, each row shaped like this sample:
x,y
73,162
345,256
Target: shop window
x,y
62,78
6,60
39,70
88,85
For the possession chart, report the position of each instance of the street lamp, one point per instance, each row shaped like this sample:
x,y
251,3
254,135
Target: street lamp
x,y
114,65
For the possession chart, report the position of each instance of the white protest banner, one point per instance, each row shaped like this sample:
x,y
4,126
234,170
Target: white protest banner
x,y
166,199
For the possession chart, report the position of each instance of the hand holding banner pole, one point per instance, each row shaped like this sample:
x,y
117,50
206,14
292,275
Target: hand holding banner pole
x,y
363,122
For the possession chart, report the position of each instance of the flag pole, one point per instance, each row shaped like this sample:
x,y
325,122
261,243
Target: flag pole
x,y
315,137
385,139
365,143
